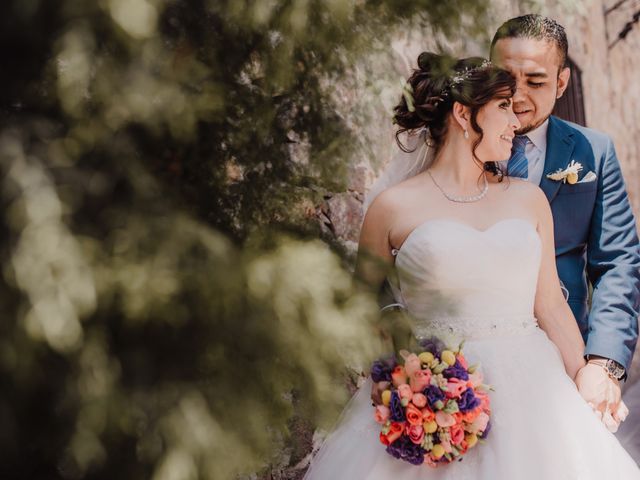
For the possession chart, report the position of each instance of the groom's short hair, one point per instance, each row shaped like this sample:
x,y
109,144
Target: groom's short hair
x,y
536,27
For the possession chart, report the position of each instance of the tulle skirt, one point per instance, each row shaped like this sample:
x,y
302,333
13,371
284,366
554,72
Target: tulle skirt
x,y
541,426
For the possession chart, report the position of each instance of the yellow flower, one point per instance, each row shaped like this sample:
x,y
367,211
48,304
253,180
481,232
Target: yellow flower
x,y
437,451
430,427
426,357
448,357
471,439
386,398
568,175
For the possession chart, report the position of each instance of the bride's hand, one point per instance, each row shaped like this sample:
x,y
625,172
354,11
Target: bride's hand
x,y
603,394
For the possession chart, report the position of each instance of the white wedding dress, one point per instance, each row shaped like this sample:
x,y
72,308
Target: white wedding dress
x,y
461,283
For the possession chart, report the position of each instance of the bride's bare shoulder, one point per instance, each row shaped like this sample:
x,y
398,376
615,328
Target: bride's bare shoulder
x,y
529,195
520,187
386,203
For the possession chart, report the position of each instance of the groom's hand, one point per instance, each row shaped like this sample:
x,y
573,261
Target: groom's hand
x,y
603,394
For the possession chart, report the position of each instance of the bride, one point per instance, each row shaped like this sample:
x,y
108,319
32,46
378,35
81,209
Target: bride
x,y
470,254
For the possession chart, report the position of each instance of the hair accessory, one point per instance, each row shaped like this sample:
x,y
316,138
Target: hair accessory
x,y
463,75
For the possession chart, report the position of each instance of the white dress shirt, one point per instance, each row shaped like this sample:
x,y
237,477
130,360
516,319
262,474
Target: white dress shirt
x,y
536,152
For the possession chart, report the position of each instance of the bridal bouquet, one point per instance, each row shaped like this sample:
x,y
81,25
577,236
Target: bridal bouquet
x,y
435,407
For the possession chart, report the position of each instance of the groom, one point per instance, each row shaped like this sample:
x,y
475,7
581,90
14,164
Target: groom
x,y
595,232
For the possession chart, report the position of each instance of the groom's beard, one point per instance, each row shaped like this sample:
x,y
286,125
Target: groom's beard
x,y
532,126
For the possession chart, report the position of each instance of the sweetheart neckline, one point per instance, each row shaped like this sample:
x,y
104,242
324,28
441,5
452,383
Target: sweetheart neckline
x,y
462,224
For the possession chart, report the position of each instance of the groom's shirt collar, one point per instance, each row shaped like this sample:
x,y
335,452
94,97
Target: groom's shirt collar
x,y
538,137
536,152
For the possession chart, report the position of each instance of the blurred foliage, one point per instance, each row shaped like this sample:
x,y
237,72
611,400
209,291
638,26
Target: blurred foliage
x,y
156,324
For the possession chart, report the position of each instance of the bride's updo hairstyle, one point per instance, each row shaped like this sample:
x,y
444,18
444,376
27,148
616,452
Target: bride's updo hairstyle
x,y
437,83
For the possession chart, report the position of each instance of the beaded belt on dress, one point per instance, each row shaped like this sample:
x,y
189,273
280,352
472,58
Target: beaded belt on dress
x,y
473,327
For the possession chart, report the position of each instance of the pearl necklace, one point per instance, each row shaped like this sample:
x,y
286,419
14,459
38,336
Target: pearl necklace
x,y
463,198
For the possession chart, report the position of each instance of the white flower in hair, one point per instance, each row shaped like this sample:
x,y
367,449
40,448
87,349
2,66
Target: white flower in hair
x,y
568,175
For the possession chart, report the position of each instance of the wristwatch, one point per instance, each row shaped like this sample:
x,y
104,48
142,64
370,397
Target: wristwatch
x,y
613,368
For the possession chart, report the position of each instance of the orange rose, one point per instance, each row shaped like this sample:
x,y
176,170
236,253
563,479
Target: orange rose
x,y
428,415
471,415
395,432
414,415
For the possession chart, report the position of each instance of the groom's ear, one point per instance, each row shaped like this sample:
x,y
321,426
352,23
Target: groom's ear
x,y
563,81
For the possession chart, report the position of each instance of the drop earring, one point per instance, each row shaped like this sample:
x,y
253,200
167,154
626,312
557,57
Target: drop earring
x,y
466,135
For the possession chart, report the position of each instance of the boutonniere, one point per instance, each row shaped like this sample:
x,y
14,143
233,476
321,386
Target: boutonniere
x,y
568,175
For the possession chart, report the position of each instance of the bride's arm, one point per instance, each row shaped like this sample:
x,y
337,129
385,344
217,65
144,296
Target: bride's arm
x,y
374,251
551,309
375,259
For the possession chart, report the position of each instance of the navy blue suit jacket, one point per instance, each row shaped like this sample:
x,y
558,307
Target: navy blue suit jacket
x,y
596,240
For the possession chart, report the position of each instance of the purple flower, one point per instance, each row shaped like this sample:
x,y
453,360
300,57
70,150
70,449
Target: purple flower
x,y
381,369
397,410
484,434
468,401
433,394
456,371
433,345
406,450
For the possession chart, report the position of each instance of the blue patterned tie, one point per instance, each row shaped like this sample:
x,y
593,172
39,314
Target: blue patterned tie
x,y
518,165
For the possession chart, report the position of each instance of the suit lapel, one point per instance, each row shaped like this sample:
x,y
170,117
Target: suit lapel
x,y
559,149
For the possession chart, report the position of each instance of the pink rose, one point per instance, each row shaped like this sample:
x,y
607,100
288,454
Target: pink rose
x,y
404,391
485,403
457,434
479,424
429,461
419,380
382,413
446,444
419,400
476,378
444,419
415,433
463,361
412,364
455,387
399,376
